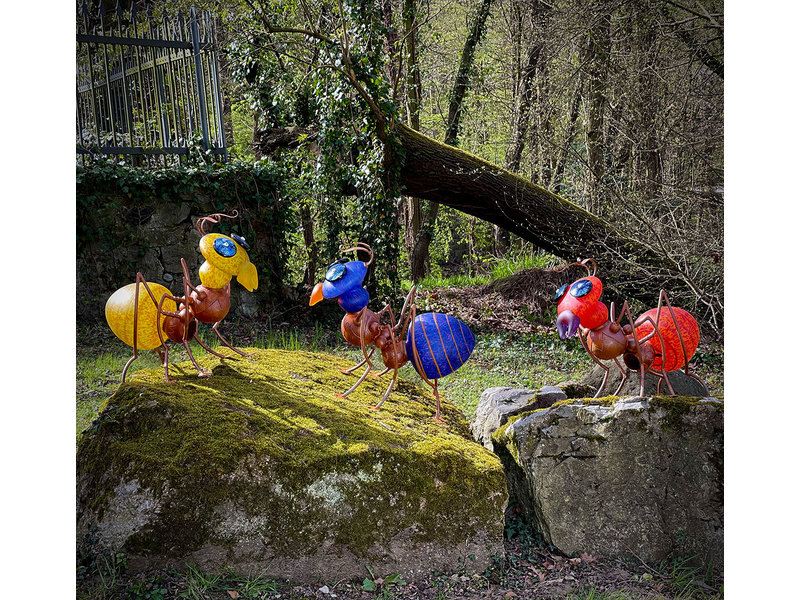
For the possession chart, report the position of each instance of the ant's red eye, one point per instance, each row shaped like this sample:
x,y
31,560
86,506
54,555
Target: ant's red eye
x,y
560,292
581,288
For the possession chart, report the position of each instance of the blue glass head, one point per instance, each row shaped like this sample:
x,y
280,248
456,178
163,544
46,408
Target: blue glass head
x,y
344,280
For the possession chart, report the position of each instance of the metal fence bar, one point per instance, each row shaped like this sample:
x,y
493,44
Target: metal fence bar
x,y
201,93
147,85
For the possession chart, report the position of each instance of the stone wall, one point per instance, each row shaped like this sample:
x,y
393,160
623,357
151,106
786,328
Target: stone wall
x,y
130,220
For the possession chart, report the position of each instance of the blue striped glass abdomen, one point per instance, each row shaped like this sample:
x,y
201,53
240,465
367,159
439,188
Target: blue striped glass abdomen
x,y
442,342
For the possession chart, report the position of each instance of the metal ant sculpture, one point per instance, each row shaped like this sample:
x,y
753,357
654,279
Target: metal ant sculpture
x,y
656,342
436,345
146,321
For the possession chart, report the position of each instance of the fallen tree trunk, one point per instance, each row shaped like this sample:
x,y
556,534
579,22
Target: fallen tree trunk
x,y
435,171
445,174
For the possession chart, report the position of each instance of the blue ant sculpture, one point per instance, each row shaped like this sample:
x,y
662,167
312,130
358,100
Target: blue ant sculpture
x,y
436,344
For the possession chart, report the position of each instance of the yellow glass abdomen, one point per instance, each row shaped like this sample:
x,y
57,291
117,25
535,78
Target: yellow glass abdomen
x,y
120,309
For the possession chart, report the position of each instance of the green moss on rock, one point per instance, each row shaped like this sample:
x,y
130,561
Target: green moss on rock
x,y
265,447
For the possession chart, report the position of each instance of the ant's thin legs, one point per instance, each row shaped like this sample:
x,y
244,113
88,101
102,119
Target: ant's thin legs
x,y
394,352
438,416
226,342
669,385
624,374
161,337
359,382
200,372
210,351
359,365
598,361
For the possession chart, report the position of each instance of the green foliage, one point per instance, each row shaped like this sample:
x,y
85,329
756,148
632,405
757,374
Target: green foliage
x,y
147,589
383,585
490,269
353,195
199,584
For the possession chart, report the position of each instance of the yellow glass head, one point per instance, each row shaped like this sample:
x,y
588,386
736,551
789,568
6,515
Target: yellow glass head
x,y
226,258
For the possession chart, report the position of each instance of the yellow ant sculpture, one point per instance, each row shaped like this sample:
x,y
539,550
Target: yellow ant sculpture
x,y
146,320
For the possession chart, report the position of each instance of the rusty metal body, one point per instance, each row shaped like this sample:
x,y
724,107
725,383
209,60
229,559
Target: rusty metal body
x,y
206,303
662,339
432,356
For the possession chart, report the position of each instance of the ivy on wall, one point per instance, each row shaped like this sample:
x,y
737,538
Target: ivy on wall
x,y
125,213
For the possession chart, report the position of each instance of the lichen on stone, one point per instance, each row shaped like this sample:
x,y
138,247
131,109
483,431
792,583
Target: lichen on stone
x,y
266,446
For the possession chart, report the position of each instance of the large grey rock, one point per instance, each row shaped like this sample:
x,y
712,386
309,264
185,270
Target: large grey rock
x,y
642,476
681,383
261,467
498,404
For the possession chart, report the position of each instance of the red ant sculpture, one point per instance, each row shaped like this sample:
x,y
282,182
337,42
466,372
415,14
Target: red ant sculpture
x,y
652,343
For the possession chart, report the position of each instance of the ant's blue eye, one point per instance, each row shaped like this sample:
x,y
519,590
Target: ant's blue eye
x,y
336,272
224,247
560,292
581,288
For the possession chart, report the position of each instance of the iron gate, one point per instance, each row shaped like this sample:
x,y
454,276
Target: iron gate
x,y
147,84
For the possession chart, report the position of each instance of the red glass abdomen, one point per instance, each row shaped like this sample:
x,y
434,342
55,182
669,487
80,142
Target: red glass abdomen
x,y
672,355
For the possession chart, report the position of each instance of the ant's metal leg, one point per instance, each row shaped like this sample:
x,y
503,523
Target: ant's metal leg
x,y
141,280
409,301
694,376
135,327
357,383
663,296
210,351
435,383
669,385
359,365
394,353
200,372
128,364
598,361
384,372
388,390
226,342
641,380
163,343
362,330
624,374
438,416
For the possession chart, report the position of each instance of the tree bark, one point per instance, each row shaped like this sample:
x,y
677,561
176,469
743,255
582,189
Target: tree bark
x,y
427,221
307,221
502,238
461,83
417,243
598,54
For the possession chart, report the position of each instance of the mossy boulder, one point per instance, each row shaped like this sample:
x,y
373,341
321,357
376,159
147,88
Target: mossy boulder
x,y
621,477
261,467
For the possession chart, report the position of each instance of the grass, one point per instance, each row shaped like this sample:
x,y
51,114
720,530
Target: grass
x,y
495,268
499,359
528,360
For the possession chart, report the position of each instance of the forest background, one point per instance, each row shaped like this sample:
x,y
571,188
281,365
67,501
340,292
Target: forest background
x,y
616,106
760,102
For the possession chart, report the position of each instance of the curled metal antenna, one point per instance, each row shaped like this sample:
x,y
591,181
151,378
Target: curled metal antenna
x,y
214,218
364,248
580,263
